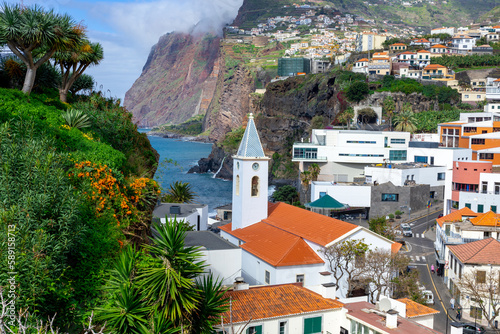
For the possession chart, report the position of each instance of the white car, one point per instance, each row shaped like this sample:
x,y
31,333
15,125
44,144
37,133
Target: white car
x,y
406,228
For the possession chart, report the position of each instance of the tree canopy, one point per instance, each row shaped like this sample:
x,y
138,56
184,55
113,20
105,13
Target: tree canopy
x,y
35,34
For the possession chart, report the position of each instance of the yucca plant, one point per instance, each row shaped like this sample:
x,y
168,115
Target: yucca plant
x,y
76,118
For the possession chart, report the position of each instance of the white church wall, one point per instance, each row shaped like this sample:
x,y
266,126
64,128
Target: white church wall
x,y
254,269
224,264
311,273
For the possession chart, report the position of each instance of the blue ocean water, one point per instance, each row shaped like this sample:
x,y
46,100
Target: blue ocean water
x,y
211,191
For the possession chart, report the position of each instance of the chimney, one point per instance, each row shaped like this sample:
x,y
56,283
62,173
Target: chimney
x,y
391,320
240,284
329,290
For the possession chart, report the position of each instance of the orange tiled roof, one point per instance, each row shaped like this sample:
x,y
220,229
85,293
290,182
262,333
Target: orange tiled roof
x,y
421,40
276,247
309,225
380,54
272,301
497,80
456,216
407,53
414,309
486,219
478,252
423,51
398,44
433,66
439,46
362,59
496,27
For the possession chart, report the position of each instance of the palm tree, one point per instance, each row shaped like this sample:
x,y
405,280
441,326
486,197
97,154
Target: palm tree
x,y
74,62
34,35
405,120
314,171
389,106
168,281
180,192
347,116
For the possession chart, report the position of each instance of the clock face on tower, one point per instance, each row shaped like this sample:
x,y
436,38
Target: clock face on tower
x,y
255,166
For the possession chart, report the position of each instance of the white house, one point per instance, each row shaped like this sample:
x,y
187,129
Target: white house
x,y
439,48
479,259
423,58
401,174
195,215
361,66
343,154
462,43
276,309
222,257
282,243
407,57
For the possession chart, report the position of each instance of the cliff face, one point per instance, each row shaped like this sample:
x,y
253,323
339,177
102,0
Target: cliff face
x,y
177,82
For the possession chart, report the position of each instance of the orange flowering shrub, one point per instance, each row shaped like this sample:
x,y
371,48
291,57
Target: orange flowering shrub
x,y
124,200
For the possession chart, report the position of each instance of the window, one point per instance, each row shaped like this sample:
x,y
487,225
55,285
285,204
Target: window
x,y
255,186
361,142
478,96
305,153
421,159
466,96
398,141
481,276
237,185
467,205
397,155
283,327
497,188
469,129
486,156
299,278
484,187
390,197
432,160
267,277
312,325
476,312
254,330
493,208
322,193
441,176
486,235
477,141
480,208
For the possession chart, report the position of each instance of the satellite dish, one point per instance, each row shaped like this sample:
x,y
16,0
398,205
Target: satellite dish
x,y
385,305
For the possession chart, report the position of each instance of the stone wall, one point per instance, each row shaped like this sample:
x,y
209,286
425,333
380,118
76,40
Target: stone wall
x,y
415,196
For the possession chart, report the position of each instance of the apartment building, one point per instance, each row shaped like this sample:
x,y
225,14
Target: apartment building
x,y
343,154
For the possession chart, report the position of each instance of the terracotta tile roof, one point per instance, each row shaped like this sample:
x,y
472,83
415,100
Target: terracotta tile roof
x,y
497,80
478,252
398,44
380,53
363,59
433,66
405,326
421,40
309,225
407,53
272,301
414,309
439,46
423,51
395,247
486,219
496,27
456,216
462,37
274,246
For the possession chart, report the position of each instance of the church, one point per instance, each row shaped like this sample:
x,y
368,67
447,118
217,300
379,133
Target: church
x,y
282,243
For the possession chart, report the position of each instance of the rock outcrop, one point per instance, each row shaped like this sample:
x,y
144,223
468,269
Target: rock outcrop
x,y
177,82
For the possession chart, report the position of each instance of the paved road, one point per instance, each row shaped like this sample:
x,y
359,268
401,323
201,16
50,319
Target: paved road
x,y
421,253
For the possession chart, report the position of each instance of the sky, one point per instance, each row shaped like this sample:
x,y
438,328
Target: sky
x,y
127,29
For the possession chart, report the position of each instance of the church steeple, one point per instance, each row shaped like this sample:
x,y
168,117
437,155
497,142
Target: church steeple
x,y
250,179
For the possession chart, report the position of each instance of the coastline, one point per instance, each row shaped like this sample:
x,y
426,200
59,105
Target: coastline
x,y
174,135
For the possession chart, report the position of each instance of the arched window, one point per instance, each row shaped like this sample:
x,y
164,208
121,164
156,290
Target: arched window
x,y
237,185
255,186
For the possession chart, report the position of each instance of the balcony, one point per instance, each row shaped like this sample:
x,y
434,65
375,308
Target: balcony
x,y
309,158
454,238
493,93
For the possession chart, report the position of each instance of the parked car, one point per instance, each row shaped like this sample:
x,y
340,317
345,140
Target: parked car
x,y
406,230
440,215
469,328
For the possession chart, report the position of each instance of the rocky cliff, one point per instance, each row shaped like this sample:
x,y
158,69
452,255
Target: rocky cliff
x,y
178,80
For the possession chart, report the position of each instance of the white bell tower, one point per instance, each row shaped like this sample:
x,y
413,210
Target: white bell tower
x,y
250,180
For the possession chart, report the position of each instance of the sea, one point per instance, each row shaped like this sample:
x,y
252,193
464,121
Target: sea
x,y
184,155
